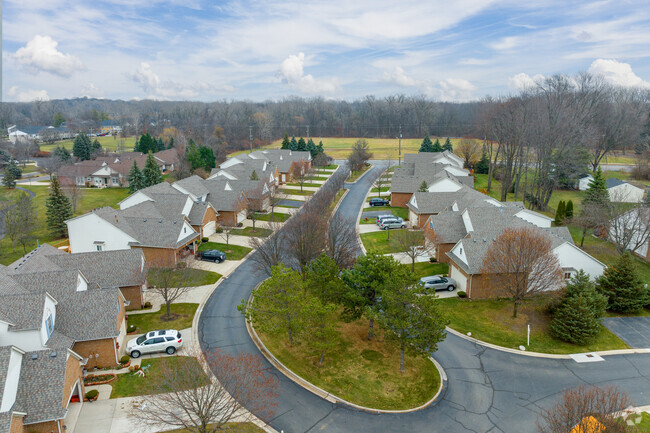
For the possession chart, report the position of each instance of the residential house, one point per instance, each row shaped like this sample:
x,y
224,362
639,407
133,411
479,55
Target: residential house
x,y
155,220
446,158
283,159
623,192
584,181
38,133
632,231
475,229
109,126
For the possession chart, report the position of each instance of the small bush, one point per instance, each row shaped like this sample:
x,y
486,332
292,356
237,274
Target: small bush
x,y
240,224
147,304
134,368
432,259
219,231
131,328
205,239
125,359
92,394
462,294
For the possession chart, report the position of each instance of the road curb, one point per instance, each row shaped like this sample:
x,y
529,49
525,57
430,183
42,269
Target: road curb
x,y
361,177
298,380
544,355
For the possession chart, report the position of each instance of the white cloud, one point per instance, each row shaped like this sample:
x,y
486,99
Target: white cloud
x,y
400,78
292,72
28,95
456,89
91,91
41,54
524,81
146,78
617,73
505,44
474,62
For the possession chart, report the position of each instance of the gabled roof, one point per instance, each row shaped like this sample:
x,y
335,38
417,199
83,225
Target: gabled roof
x,y
221,198
612,182
22,311
195,185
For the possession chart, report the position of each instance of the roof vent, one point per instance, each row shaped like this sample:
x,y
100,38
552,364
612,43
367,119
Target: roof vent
x,y
174,222
53,354
34,356
160,221
494,239
484,240
144,220
474,240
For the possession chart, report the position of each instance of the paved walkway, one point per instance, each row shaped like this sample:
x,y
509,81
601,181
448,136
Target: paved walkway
x,y
635,331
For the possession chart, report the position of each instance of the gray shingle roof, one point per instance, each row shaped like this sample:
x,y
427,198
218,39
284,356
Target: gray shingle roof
x,y
22,311
282,158
194,185
5,421
197,213
612,182
409,177
449,227
5,354
220,198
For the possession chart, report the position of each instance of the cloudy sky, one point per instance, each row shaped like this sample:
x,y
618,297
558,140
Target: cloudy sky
x,y
343,49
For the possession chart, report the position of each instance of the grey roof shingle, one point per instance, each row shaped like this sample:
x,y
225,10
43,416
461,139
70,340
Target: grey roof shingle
x,y
197,213
5,354
194,185
612,182
22,311
5,421
222,199
282,158
409,177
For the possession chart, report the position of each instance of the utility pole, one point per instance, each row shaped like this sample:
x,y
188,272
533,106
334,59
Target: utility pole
x,y
250,137
399,158
307,132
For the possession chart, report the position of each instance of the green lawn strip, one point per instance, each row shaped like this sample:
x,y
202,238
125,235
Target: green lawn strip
x,y
91,198
427,269
249,231
360,371
290,191
108,142
491,320
337,198
277,216
317,178
182,317
606,252
185,277
233,252
287,207
311,185
231,427
379,241
355,175
130,384
331,167
383,189
644,425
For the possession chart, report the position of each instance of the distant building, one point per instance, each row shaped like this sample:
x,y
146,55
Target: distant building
x,y
623,192
584,181
109,126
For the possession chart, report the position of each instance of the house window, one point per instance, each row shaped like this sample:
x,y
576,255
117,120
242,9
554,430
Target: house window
x,y
115,180
567,275
99,246
49,326
431,225
119,305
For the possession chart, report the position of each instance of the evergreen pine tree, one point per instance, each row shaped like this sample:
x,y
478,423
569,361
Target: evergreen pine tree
x,y
293,144
319,149
9,180
447,145
560,213
302,145
423,186
254,176
136,178
208,161
151,172
569,210
311,147
285,141
170,144
483,166
436,146
14,169
426,145
62,153
596,191
625,291
58,209
81,147
576,318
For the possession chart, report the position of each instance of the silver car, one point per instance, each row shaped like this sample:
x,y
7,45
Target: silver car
x,y
438,282
392,223
380,218
168,340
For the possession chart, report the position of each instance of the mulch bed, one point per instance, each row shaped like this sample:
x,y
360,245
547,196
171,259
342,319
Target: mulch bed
x,y
99,379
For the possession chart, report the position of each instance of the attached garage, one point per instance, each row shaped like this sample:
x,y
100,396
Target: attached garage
x,y
460,278
413,219
209,229
241,216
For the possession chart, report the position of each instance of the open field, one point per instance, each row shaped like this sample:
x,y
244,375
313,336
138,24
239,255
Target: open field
x,y
361,371
91,198
108,142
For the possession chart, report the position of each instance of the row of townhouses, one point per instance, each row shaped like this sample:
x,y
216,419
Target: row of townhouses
x,y
463,223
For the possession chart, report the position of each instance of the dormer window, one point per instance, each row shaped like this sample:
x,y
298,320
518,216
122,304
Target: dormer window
x,y
99,246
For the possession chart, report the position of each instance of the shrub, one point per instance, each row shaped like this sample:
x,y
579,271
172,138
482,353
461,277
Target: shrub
x,y
462,294
219,230
125,359
134,368
147,304
131,328
92,394
433,259
205,239
240,224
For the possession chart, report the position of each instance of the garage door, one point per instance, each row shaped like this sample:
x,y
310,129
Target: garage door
x,y
413,219
459,277
241,217
209,229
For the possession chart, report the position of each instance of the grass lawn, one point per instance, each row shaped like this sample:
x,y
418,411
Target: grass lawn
x,y
249,231
277,216
317,185
108,142
231,427
315,178
361,371
28,168
491,320
426,269
233,252
91,198
397,211
291,191
182,317
644,425
383,189
336,200
183,277
130,385
355,175
379,241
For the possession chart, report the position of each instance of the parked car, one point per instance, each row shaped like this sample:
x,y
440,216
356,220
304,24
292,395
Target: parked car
x,y
378,202
392,223
382,217
168,340
212,255
438,282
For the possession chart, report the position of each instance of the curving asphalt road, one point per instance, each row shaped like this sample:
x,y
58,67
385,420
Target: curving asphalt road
x,y
488,390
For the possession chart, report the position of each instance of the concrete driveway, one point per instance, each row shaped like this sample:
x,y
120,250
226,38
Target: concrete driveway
x,y
635,331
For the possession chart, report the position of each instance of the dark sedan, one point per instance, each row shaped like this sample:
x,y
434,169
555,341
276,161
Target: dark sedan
x,y
212,255
378,202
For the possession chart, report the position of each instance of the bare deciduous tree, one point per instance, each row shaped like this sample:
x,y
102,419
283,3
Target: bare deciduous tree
x,y
20,221
269,251
50,165
73,191
276,195
306,233
360,155
187,398
629,228
382,181
470,150
226,232
411,243
342,244
521,264
170,281
300,172
586,409
253,203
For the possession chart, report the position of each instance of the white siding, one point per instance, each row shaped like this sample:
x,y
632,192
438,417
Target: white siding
x,y
50,308
534,218
185,231
625,193
11,384
241,217
456,171
25,340
583,183
85,230
459,251
133,199
188,206
413,218
570,256
461,279
445,185
467,222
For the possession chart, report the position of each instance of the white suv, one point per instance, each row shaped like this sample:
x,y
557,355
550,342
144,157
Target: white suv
x,y
155,341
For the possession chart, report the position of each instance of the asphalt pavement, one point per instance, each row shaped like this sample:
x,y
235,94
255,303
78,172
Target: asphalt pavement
x,y
488,390
635,331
